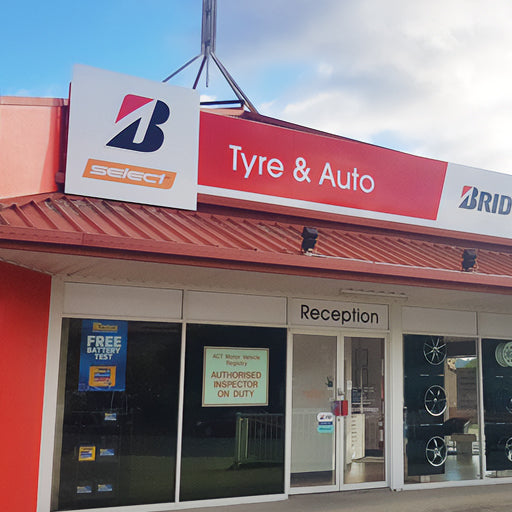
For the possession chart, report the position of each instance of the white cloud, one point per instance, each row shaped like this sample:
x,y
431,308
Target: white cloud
x,y
207,97
432,75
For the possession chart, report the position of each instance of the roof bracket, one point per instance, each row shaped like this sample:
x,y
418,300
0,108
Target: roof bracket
x,y
208,38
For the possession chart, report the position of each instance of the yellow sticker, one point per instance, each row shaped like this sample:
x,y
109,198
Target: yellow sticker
x,y
87,453
102,376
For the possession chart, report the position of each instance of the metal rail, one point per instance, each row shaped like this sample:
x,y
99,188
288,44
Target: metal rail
x,y
259,439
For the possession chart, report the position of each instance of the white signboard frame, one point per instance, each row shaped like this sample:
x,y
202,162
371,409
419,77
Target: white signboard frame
x,y
132,139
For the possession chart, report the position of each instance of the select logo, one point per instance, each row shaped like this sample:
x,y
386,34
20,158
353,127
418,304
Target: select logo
x,y
474,199
131,175
99,327
152,137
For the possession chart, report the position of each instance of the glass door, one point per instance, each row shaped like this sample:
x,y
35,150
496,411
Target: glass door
x,y
364,423
337,412
314,432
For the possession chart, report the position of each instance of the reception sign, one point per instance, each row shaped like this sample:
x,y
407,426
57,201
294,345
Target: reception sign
x,y
235,376
338,314
103,352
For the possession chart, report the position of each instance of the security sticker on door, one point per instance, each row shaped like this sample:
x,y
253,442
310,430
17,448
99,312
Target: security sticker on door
x,y
325,418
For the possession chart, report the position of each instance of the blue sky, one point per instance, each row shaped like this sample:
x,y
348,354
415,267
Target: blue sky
x,y
44,39
429,77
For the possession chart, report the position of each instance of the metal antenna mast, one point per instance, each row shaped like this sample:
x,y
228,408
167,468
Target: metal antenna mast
x,y
208,37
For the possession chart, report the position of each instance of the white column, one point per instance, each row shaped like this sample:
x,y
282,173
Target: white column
x,y
395,396
50,410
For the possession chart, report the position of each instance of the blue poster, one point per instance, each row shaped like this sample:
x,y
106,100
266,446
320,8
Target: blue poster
x,y
103,350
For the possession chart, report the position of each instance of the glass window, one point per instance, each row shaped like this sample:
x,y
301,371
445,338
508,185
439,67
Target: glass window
x,y
233,424
119,395
442,434
497,392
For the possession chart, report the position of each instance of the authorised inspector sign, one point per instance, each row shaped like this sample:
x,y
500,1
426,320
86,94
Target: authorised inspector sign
x,y
235,376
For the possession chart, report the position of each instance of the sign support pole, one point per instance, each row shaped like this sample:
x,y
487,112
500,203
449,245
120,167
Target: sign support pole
x,y
208,39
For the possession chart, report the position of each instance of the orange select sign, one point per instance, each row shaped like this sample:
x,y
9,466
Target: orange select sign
x,y
246,159
129,174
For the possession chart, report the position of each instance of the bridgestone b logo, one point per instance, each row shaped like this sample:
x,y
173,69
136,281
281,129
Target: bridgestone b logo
x,y
152,135
474,199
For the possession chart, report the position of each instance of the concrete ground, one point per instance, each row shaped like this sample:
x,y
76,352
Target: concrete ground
x,y
483,498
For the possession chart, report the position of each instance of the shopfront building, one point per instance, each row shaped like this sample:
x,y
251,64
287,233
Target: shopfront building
x,y
194,355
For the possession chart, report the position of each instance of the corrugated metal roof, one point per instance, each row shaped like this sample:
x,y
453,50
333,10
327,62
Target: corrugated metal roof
x,y
61,223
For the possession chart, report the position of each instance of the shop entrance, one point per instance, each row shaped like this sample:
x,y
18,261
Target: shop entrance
x,y
337,412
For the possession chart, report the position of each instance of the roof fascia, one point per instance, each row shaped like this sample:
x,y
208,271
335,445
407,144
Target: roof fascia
x,y
105,246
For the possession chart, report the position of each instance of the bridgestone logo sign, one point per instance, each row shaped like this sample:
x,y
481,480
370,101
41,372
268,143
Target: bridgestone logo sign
x,y
488,202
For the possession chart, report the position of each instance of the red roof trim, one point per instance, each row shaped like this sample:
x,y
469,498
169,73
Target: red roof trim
x,y
355,223
279,264
223,237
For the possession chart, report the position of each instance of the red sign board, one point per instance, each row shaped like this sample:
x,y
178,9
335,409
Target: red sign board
x,y
240,156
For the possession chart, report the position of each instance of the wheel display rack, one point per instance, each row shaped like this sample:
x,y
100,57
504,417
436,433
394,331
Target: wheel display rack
x,y
497,394
425,403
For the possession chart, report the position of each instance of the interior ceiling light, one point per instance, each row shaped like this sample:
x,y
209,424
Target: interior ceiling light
x,y
309,236
469,260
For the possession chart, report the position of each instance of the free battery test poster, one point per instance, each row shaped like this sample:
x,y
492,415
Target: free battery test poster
x,y
103,349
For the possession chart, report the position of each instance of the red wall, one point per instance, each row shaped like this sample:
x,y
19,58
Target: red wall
x,y
24,308
31,135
